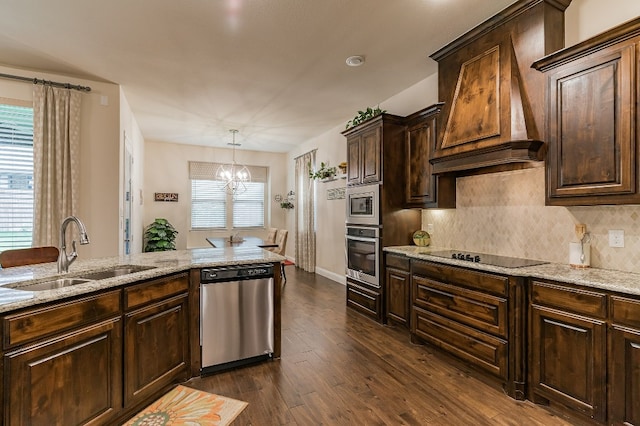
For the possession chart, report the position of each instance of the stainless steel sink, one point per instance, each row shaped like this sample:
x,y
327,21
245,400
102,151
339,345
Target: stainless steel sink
x,y
49,285
115,272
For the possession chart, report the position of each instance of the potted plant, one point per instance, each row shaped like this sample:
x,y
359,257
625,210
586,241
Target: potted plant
x,y
365,115
160,236
324,172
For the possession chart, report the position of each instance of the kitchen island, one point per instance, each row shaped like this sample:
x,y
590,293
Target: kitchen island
x,y
101,350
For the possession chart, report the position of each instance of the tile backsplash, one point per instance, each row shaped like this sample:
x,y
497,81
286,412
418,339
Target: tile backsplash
x,y
504,213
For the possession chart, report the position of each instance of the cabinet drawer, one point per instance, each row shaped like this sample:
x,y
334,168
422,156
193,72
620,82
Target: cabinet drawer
x,y
482,350
482,311
482,281
159,289
625,311
565,298
36,323
399,262
364,300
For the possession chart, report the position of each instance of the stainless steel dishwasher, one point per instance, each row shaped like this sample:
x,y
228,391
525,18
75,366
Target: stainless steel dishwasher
x,y
236,316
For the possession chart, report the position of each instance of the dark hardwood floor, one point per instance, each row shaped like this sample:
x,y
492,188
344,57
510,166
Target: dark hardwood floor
x,y
339,368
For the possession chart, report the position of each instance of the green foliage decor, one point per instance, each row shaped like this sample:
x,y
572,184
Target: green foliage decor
x,y
160,236
324,172
287,205
365,115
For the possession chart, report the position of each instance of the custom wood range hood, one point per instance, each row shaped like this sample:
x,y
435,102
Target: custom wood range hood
x,y
494,102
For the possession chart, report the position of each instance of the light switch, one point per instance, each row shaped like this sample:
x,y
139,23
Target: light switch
x,y
430,228
616,238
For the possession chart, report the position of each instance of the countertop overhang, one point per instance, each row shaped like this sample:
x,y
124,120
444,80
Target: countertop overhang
x,y
606,279
164,263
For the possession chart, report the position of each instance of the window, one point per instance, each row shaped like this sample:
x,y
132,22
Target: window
x,y
212,208
16,175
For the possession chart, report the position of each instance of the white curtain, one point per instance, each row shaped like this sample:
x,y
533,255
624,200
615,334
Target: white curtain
x,y
56,143
305,231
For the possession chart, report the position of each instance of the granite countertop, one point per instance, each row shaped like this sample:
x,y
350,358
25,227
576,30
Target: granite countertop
x,y
606,279
163,263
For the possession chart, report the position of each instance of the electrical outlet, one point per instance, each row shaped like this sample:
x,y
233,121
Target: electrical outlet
x,y
616,238
430,228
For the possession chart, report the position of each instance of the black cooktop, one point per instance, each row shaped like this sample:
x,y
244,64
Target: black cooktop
x,y
488,259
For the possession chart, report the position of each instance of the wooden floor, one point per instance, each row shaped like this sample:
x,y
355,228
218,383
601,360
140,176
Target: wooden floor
x,y
339,368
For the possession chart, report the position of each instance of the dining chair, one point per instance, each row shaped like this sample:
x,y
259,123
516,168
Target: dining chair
x,y
271,235
28,256
281,241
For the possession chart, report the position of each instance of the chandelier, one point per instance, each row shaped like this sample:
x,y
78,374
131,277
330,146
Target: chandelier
x,y
233,175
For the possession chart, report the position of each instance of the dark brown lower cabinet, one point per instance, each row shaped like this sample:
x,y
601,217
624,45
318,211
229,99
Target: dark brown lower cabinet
x,y
624,386
473,315
568,348
397,285
66,380
156,337
624,361
156,348
569,361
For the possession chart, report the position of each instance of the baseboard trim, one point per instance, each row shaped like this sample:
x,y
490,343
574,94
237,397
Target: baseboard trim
x,y
340,279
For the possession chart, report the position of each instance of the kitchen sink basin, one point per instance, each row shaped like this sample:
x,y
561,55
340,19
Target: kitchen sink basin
x,y
49,285
117,271
113,272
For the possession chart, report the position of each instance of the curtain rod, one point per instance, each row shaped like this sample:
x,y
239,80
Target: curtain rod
x,y
51,83
302,155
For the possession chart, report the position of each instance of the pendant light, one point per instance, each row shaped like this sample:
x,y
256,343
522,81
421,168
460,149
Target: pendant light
x,y
233,175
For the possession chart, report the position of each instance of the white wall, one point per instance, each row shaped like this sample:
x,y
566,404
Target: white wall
x,y
131,135
167,170
99,153
586,18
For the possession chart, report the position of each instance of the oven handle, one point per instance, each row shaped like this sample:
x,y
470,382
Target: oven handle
x,y
364,239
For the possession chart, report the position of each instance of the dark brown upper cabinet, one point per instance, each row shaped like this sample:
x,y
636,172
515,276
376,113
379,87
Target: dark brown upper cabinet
x,y
592,124
424,189
372,144
493,113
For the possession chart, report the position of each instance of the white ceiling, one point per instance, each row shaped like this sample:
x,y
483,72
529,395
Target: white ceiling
x,y
274,69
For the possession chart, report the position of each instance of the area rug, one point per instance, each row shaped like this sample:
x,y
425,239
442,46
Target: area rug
x,y
186,406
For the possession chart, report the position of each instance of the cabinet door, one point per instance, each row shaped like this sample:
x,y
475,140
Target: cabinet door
x,y
624,385
155,347
397,284
420,188
70,380
568,360
591,135
354,175
370,151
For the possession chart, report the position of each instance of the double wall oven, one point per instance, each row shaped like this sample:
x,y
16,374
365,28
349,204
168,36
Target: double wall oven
x,y
363,248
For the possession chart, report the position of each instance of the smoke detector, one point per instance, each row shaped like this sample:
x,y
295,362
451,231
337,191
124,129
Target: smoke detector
x,y
355,61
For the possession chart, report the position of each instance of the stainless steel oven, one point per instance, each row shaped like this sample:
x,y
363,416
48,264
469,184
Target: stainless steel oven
x,y
363,254
363,205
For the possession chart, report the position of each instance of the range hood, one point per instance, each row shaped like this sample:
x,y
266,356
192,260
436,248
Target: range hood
x,y
494,102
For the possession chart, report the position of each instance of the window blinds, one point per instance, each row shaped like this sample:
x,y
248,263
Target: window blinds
x,y
16,176
211,207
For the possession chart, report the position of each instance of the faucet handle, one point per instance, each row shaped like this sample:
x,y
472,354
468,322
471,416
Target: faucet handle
x,y
72,256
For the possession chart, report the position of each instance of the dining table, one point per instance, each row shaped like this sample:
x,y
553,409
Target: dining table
x,y
220,242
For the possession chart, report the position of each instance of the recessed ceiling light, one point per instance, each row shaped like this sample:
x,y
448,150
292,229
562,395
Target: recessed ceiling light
x,y
355,61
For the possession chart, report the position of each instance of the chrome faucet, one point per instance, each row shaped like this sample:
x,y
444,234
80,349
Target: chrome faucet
x,y
64,259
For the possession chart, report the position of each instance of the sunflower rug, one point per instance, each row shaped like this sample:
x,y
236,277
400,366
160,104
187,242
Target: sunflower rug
x,y
186,406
